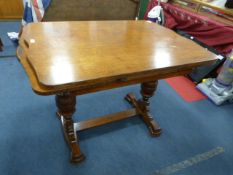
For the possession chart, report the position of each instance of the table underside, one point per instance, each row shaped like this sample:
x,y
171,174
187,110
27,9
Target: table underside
x,y
66,107
66,101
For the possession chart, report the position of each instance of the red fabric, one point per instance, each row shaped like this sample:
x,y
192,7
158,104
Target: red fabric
x,y
185,88
210,32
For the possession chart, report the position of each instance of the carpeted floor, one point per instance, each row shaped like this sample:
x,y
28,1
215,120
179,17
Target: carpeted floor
x,y
31,140
9,46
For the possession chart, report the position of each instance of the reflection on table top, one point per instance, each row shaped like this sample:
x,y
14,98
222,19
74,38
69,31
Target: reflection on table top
x,y
63,53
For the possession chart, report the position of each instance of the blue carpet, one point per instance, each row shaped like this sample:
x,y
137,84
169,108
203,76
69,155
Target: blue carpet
x,y
31,140
9,46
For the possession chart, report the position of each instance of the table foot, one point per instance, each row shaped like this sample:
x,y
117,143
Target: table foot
x,y
142,107
1,45
76,155
66,108
72,140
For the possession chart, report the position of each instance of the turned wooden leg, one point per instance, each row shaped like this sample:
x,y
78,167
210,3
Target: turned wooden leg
x,y
66,107
147,91
143,106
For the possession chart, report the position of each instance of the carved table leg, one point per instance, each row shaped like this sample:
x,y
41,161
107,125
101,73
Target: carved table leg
x,y
147,91
1,45
66,107
142,106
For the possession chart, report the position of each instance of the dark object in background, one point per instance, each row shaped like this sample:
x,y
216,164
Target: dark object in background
x,y
1,45
202,72
229,4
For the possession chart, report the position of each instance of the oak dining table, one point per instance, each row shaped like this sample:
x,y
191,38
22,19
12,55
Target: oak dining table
x,y
67,59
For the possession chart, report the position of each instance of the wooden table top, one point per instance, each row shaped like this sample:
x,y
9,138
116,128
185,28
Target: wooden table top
x,y
66,55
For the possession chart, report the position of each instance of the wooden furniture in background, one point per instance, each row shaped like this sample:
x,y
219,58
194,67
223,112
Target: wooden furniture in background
x,y
84,57
79,10
206,9
11,9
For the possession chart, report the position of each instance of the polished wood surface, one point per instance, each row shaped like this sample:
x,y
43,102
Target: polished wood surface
x,y
73,58
90,53
98,121
112,83
11,9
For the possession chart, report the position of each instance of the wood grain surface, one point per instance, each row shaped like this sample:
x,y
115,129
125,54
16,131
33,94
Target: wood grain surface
x,y
76,55
11,9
